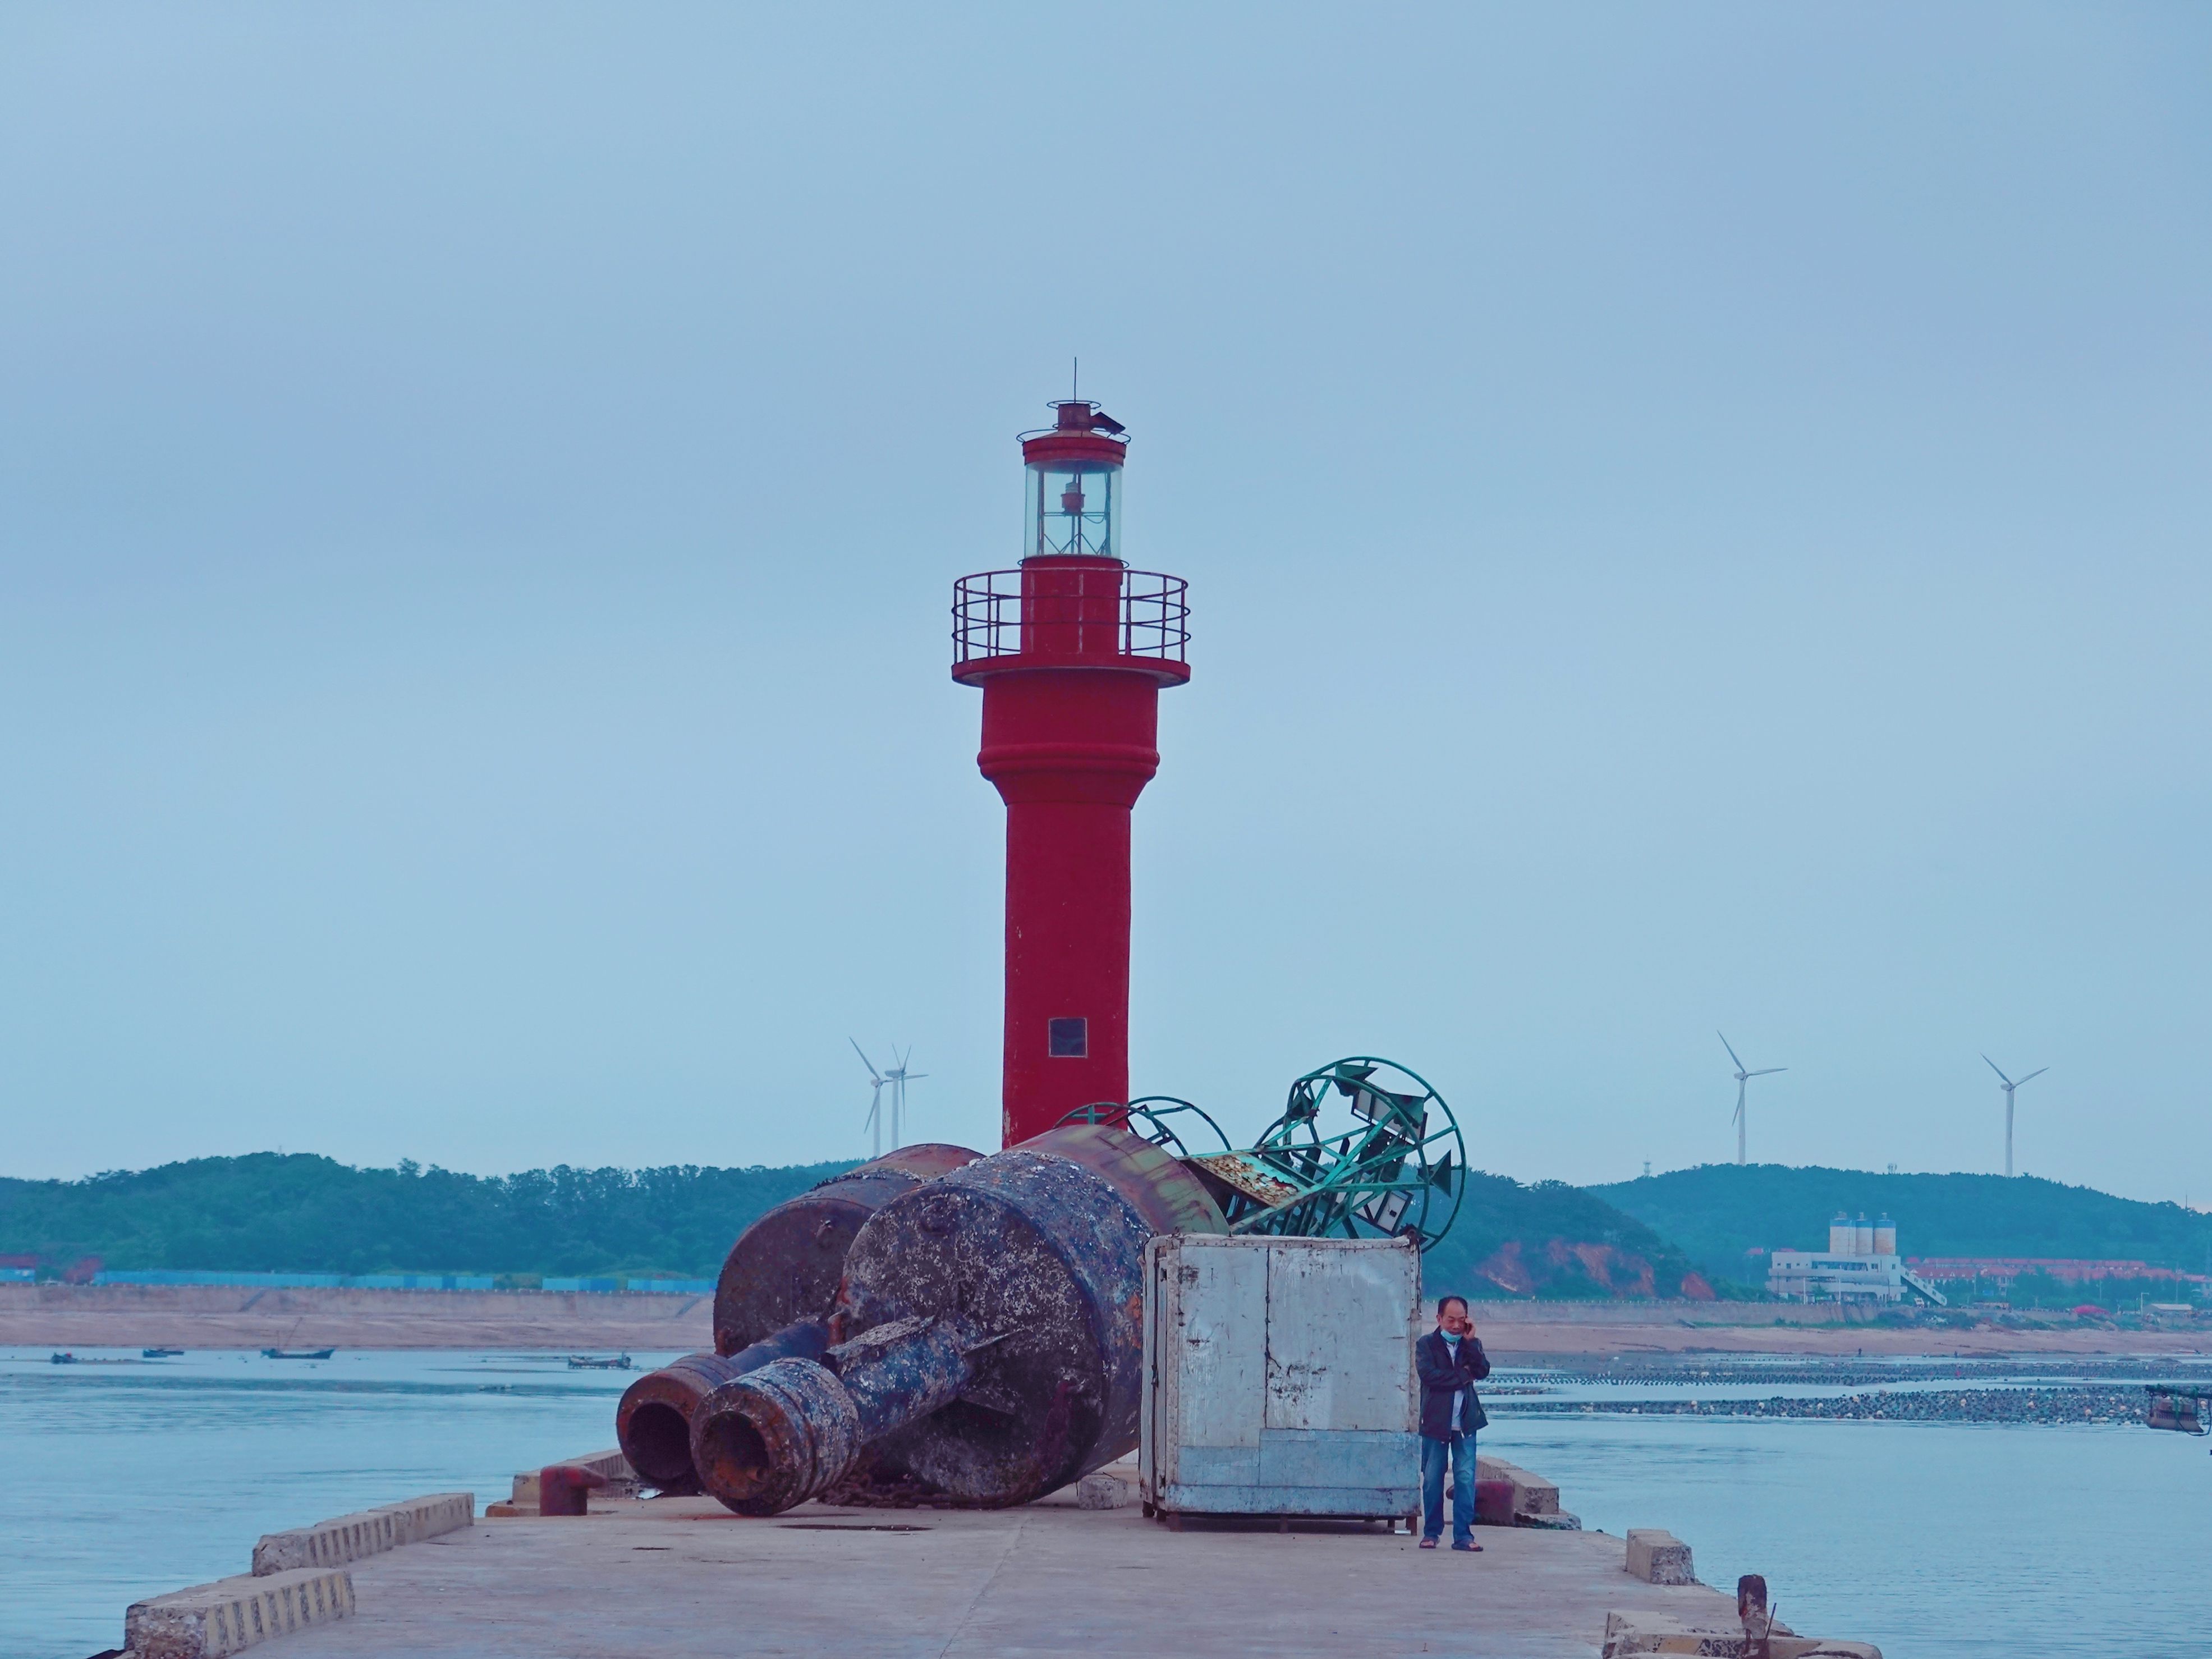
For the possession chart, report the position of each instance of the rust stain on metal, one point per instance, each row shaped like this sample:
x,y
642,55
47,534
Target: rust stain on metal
x,y
1250,1177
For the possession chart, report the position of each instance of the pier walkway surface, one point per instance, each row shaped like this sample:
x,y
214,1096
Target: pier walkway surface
x,y
683,1577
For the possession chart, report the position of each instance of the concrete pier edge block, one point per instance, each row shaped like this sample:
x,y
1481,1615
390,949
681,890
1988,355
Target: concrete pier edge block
x,y
209,1620
1531,1493
1535,1500
1104,1490
435,1514
1657,1557
365,1533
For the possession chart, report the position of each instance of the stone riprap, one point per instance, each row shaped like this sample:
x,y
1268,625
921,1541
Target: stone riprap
x,y
368,1532
209,1620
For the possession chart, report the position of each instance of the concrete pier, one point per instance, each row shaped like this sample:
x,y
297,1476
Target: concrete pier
x,y
683,1577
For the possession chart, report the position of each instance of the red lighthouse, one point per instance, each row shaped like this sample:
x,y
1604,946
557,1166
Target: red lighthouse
x,y
1071,651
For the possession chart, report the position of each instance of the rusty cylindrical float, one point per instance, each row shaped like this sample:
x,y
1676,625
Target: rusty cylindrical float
x,y
786,1266
653,1424
1000,1340
775,1292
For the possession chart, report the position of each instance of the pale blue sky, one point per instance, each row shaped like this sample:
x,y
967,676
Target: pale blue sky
x,y
1696,516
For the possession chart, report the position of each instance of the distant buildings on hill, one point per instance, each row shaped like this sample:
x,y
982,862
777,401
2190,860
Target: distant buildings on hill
x,y
1861,1264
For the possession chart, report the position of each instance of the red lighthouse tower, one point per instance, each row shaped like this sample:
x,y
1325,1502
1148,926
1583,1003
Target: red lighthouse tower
x,y
1071,651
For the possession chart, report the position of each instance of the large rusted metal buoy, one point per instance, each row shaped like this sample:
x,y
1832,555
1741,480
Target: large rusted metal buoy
x,y
776,1291
994,1332
787,1265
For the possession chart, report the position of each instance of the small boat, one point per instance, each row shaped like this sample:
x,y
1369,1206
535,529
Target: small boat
x,y
160,1353
297,1353
584,1362
66,1358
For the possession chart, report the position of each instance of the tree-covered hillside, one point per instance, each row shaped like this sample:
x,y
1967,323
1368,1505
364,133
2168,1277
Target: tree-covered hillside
x,y
305,1214
1553,1240
1727,1215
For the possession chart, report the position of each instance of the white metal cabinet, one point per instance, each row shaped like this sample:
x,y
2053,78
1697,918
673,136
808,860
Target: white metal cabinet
x,y
1279,1376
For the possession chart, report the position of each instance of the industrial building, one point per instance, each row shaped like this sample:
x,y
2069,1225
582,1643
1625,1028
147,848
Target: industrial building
x,y
1860,1264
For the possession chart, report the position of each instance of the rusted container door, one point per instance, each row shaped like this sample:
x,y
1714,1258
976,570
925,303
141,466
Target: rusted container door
x,y
1280,1376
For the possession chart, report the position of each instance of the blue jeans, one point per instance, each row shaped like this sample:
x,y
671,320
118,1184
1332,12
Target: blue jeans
x,y
1460,1450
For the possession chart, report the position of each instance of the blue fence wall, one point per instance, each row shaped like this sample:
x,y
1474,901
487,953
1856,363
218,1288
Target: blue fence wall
x,y
671,1286
373,1281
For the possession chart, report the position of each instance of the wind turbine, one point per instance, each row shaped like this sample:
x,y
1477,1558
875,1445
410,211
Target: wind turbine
x,y
1742,1078
2010,1085
898,1077
875,1101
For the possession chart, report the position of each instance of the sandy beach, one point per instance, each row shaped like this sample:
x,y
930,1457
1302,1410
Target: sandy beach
x,y
219,1317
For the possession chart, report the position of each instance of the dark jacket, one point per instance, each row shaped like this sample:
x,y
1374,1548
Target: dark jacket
x,y
1441,1380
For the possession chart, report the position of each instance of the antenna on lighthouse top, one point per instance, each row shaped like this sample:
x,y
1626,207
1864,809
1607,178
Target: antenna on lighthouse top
x,y
1074,379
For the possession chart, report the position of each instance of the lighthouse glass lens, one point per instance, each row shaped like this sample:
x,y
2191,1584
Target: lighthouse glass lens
x,y
1074,507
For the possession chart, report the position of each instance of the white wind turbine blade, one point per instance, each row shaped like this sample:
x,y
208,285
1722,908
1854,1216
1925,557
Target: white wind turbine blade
x,y
1766,1071
1999,1070
2037,1072
865,1060
1731,1049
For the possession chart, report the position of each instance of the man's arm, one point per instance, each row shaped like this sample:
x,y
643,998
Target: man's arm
x,y
1433,1363
1472,1360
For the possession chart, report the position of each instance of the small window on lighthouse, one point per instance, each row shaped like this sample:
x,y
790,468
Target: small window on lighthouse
x,y
1067,1039
1073,508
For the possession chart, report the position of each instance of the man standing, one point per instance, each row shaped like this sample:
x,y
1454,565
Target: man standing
x,y
1450,1362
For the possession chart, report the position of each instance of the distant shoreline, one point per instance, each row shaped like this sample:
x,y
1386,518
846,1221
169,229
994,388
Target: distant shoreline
x,y
64,1316
226,1316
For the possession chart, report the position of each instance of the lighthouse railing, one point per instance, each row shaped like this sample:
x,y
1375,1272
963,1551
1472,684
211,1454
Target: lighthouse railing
x,y
1149,617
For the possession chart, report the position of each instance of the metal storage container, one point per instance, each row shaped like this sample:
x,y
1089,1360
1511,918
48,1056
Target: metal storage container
x,y
1279,1377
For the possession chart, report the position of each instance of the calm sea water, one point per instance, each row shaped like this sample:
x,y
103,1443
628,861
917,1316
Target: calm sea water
x,y
1946,1540
135,1479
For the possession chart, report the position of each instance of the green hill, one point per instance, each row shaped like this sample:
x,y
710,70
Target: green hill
x,y
304,1214
307,1214
1726,1215
1555,1241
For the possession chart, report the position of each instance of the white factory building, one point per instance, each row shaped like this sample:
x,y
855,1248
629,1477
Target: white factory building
x,y
1860,1264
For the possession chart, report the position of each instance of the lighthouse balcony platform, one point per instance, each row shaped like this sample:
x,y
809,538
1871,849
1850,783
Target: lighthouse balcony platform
x,y
1071,613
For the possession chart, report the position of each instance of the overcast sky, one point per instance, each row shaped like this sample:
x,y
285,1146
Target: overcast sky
x,y
1695,518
